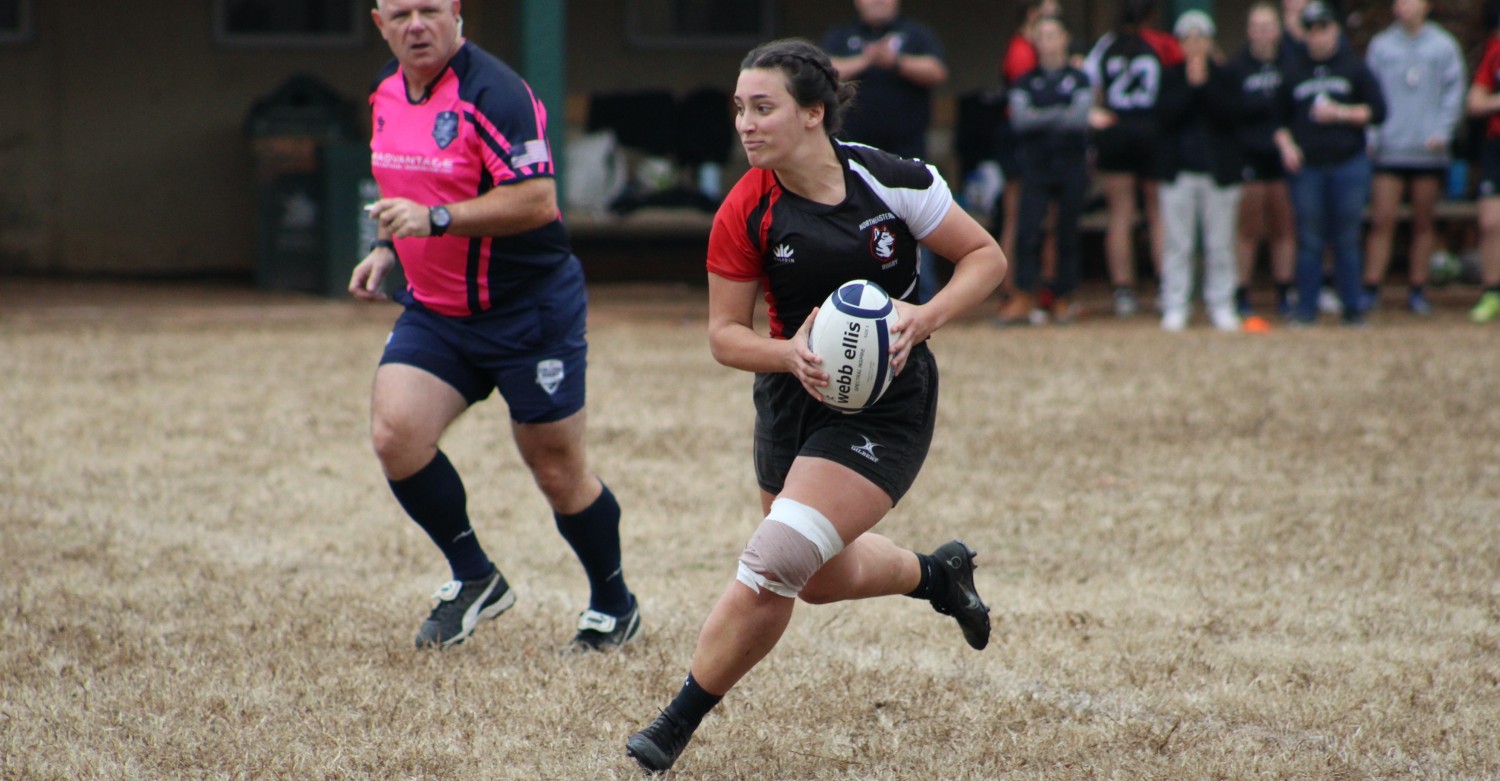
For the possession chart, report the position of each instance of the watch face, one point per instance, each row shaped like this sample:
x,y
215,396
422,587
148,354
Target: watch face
x,y
440,216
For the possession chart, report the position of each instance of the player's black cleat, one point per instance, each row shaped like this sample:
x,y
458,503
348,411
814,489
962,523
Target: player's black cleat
x,y
657,746
960,599
461,605
602,631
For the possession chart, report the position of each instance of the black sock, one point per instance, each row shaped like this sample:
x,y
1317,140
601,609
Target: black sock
x,y
934,578
1493,289
692,703
1283,289
594,535
1417,290
434,497
1372,289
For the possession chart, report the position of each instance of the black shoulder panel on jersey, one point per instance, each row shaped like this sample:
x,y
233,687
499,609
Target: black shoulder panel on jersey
x,y
890,170
385,73
756,218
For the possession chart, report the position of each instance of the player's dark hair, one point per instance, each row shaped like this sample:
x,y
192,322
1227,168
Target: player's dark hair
x,y
810,77
1134,14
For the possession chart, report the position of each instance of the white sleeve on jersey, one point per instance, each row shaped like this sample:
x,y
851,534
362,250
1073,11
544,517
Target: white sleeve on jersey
x,y
921,210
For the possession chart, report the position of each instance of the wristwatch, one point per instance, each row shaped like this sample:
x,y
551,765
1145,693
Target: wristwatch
x,y
438,220
385,243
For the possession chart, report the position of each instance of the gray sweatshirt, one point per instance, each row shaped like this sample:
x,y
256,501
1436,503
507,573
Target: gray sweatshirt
x,y
1422,79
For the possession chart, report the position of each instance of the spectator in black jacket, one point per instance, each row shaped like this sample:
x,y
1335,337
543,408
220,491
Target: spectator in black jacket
x,y
1201,171
1328,97
1050,108
1254,77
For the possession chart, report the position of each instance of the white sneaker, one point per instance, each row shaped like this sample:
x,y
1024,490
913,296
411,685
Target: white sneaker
x,y
1328,302
1174,321
1225,319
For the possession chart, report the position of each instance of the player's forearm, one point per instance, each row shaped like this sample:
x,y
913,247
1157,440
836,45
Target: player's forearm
x,y
506,210
737,346
975,277
923,70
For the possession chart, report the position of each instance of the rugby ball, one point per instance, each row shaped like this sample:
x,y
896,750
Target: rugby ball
x,y
852,334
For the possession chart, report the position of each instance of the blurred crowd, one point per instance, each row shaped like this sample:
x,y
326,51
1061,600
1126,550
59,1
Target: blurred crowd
x,y
1298,148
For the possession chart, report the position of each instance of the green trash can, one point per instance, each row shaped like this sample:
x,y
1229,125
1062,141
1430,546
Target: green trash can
x,y
312,179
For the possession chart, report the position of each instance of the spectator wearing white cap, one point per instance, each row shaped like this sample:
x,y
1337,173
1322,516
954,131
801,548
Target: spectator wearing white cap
x,y
1201,169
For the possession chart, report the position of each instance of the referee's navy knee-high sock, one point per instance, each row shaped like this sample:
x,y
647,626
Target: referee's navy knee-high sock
x,y
434,497
594,535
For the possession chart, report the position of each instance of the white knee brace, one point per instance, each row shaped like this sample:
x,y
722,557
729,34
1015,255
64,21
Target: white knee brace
x,y
788,547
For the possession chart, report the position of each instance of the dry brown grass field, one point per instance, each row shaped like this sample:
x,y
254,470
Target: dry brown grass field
x,y
1209,557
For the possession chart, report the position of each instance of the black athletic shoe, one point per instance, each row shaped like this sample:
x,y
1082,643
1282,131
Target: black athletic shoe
x,y
657,746
960,599
602,631
461,605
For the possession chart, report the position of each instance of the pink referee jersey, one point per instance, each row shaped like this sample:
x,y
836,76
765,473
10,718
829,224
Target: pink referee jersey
x,y
479,127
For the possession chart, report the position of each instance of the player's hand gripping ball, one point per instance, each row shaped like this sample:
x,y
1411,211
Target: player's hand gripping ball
x,y
852,334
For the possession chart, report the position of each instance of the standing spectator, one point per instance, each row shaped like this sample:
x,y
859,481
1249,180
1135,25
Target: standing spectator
x,y
1020,59
1421,75
1125,68
1328,96
800,223
1201,173
1254,79
495,299
1484,101
896,62
1050,109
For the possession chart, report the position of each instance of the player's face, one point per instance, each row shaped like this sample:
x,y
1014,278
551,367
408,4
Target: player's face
x,y
423,34
1263,29
877,12
770,123
1322,40
1410,11
1051,41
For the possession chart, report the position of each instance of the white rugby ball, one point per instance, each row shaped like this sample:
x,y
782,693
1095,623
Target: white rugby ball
x,y
852,334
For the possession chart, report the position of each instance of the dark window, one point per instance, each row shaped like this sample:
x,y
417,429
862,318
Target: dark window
x,y
16,21
290,22
700,24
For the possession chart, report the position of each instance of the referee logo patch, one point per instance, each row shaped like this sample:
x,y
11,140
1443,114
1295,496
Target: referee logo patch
x,y
445,129
549,374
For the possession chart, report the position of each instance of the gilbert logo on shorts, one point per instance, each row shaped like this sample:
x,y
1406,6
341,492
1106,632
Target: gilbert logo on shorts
x,y
867,449
549,374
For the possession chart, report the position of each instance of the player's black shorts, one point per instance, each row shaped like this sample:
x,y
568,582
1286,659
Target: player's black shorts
x,y
1489,169
1128,147
532,347
1263,167
1408,172
885,443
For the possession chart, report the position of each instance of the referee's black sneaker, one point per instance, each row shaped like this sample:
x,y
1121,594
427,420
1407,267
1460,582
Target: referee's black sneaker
x,y
601,631
960,599
657,746
461,605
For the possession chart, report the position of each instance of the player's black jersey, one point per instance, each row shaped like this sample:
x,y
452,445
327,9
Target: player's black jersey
x,y
1255,85
801,251
1127,71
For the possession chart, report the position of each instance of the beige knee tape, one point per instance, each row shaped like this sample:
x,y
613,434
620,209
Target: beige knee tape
x,y
788,547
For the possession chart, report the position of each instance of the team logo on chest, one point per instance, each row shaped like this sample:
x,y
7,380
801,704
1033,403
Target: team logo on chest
x,y
882,243
445,129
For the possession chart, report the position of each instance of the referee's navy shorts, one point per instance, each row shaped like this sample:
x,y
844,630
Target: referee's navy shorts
x,y
531,347
885,443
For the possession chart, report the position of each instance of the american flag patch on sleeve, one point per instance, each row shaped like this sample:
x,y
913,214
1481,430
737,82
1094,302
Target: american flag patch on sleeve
x,y
532,153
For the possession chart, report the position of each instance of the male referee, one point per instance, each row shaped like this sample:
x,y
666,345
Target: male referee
x,y
495,300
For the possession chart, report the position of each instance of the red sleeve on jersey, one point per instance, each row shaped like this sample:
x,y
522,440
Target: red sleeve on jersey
x,y
1020,59
732,253
1485,75
1167,48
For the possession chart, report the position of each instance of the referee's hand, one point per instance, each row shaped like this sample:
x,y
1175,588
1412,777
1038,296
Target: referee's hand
x,y
401,218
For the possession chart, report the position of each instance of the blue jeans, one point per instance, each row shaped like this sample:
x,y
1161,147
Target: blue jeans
x,y
1329,201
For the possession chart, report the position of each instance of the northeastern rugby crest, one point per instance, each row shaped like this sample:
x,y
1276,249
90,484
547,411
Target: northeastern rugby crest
x,y
445,129
882,243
